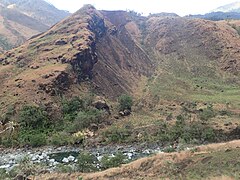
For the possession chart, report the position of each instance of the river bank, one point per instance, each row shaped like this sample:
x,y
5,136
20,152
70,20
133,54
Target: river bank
x,y
51,156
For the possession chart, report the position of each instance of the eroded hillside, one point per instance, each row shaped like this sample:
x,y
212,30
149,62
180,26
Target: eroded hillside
x,y
85,46
61,86
114,50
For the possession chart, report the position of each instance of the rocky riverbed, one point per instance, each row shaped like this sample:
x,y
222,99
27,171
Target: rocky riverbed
x,y
51,157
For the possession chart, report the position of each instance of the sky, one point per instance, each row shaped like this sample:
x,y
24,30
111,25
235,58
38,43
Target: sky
x,y
181,7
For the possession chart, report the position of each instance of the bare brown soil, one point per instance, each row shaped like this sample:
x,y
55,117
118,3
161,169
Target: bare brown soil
x,y
116,50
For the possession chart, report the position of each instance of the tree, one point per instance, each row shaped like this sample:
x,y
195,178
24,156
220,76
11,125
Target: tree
x,y
32,117
125,102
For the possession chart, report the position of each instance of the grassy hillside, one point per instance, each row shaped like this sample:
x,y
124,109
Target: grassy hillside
x,y
4,44
108,78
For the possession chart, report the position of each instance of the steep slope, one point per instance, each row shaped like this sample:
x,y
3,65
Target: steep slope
x,y
194,59
37,9
189,59
22,19
82,47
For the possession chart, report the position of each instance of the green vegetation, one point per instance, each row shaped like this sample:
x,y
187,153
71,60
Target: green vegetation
x,y
4,174
36,129
204,166
87,162
116,134
32,117
62,138
71,107
207,113
83,120
78,114
125,102
193,132
181,128
32,138
162,132
4,43
114,161
25,169
193,80
62,168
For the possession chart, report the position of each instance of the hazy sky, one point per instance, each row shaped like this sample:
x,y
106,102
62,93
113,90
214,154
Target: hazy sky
x,y
181,7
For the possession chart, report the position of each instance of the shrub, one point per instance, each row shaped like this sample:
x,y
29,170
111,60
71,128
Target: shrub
x,y
25,168
32,117
64,168
8,142
115,161
188,132
169,149
225,113
37,140
208,134
71,107
125,102
8,115
61,139
207,114
84,119
32,138
117,135
86,162
3,174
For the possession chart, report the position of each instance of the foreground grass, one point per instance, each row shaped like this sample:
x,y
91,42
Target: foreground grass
x,y
213,164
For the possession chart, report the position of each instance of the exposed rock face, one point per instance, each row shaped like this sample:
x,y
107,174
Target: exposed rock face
x,y
101,105
57,86
86,46
112,51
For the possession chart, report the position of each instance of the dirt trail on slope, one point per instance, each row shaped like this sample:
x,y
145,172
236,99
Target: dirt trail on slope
x,y
153,167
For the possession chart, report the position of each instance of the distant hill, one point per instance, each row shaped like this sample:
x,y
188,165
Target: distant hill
x,y
164,14
38,9
21,19
217,16
229,11
232,7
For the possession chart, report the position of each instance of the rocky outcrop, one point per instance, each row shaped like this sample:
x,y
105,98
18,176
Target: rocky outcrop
x,y
110,53
59,84
101,105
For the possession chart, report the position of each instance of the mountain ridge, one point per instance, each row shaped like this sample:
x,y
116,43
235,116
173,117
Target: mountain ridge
x,y
114,50
102,78
22,20
232,7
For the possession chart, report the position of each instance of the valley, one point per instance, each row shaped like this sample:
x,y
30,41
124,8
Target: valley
x,y
110,79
